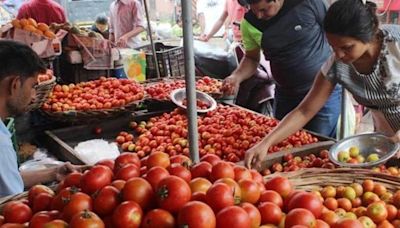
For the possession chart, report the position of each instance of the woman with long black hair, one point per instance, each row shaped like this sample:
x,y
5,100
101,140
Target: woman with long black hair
x,y
366,61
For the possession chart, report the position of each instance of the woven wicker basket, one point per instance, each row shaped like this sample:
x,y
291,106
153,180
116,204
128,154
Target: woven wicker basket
x,y
83,116
315,178
42,93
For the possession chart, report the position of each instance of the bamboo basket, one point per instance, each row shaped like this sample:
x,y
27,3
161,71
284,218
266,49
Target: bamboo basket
x,y
42,93
82,116
314,178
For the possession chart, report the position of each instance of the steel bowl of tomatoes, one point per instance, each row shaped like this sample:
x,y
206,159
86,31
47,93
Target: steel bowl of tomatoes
x,y
204,102
364,150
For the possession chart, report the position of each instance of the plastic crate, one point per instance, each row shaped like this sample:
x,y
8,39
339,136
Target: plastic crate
x,y
170,61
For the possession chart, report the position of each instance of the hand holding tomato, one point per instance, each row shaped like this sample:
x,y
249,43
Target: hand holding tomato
x,y
231,84
255,155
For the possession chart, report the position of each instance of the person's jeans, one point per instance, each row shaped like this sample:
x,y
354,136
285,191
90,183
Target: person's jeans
x,y
324,122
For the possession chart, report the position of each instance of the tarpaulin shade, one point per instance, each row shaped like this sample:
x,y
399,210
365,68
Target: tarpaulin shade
x,y
394,5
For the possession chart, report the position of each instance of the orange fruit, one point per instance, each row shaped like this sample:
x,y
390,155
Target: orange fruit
x,y
37,31
49,34
29,28
23,22
32,22
42,27
16,24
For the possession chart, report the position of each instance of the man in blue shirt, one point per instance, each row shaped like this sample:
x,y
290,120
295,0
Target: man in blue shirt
x,y
19,68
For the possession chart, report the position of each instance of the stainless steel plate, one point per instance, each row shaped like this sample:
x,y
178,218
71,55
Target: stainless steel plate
x,y
178,95
368,144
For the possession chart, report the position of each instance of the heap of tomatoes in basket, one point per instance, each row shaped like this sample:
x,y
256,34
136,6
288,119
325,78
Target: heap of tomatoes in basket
x,y
102,94
42,78
227,132
163,191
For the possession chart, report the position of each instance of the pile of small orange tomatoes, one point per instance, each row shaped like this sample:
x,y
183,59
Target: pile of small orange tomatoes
x,y
163,191
227,132
102,94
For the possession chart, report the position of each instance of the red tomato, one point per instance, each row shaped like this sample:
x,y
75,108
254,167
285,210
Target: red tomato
x,y
36,190
271,196
331,203
126,158
257,176
280,185
39,219
138,190
254,214
127,214
42,202
321,224
201,169
107,162
330,217
181,159
58,202
118,184
75,204
222,170
96,178
344,203
233,216
172,193
180,171
242,173
155,175
392,212
106,200
86,219
211,158
219,196
58,223
346,223
196,214
270,213
300,216
73,180
377,212
250,191
199,184
307,201
158,159
16,212
127,172
158,218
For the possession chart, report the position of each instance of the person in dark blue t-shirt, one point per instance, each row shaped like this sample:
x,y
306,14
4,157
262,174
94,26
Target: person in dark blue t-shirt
x,y
291,36
101,26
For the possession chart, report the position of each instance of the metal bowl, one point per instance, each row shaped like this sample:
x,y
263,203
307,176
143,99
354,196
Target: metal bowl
x,y
178,95
368,144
